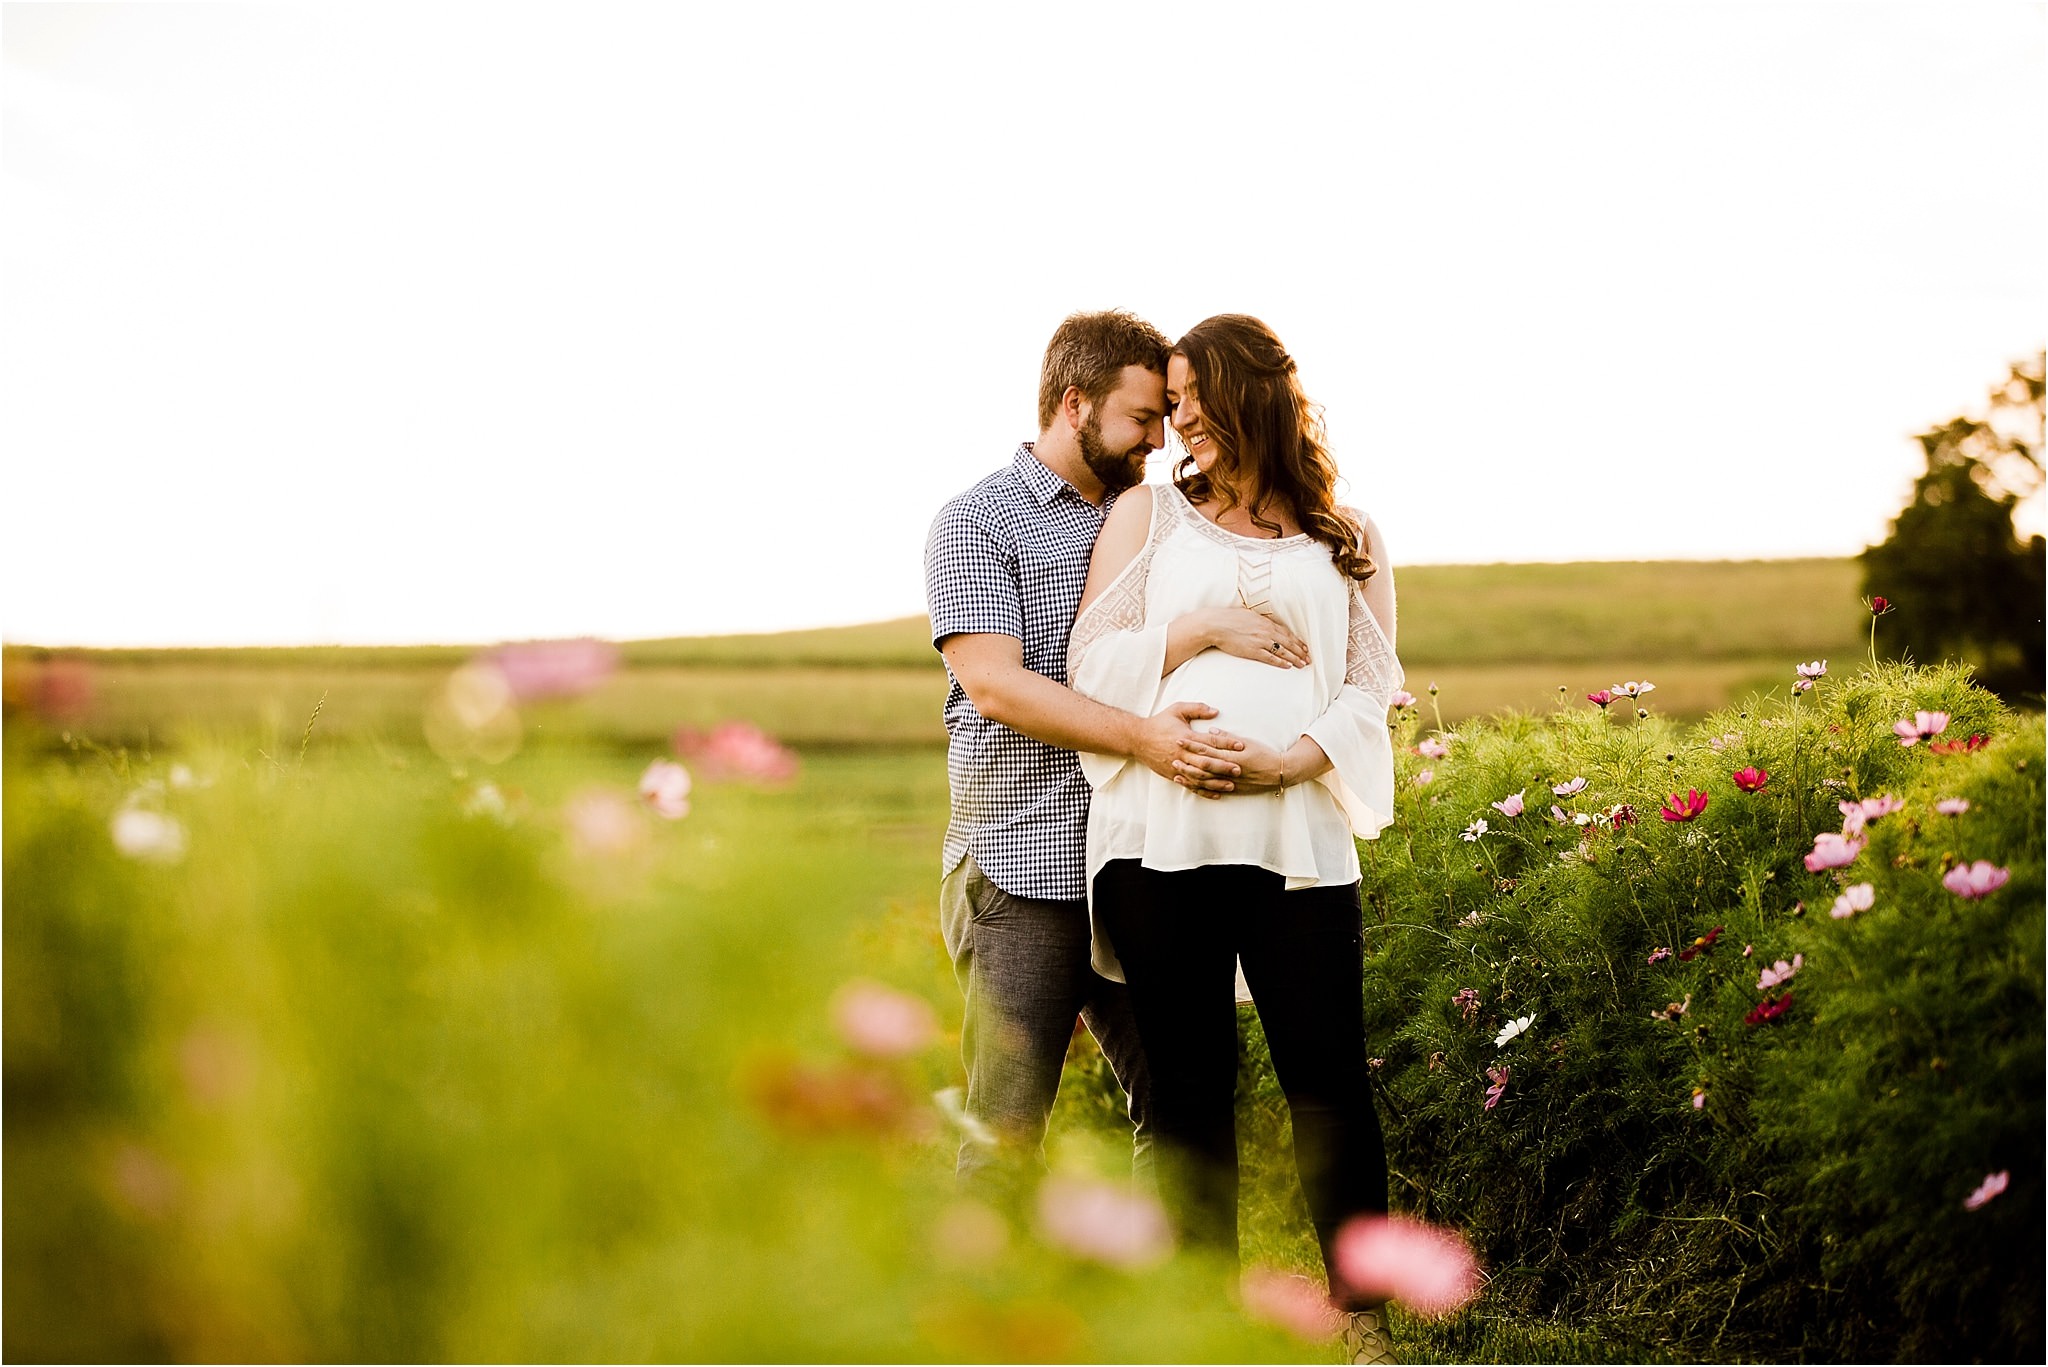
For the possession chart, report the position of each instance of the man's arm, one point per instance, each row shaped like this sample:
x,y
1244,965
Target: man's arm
x,y
990,667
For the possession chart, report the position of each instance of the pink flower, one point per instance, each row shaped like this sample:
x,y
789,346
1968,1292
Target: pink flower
x,y
1852,817
1856,897
737,749
1499,1078
1511,805
1699,1098
1571,789
1659,954
1992,1185
1779,973
1833,851
1428,1269
1432,748
1813,669
1801,685
1764,1012
1923,726
1972,881
1684,807
1884,804
666,788
1467,1001
1633,688
1425,777
601,822
1952,806
1288,1302
1748,950
1402,698
1751,779
1600,698
1879,606
1105,1222
554,669
882,1022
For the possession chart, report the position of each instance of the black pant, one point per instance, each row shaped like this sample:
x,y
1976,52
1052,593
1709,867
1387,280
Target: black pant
x,y
1178,936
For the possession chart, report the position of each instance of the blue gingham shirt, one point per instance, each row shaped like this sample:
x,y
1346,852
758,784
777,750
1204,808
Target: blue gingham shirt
x,y
1009,557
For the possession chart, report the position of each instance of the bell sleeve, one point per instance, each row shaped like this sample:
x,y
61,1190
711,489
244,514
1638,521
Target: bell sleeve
x,y
1114,656
1353,730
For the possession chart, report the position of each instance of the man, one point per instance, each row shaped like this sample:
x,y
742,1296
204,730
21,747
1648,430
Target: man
x,y
1004,567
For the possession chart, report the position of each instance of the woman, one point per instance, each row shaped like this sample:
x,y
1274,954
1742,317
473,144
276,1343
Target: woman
x,y
1184,884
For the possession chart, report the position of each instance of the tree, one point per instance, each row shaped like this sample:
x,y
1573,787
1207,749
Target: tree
x,y
1966,586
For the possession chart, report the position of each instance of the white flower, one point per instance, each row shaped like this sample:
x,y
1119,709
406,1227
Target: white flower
x,y
1567,789
1475,830
143,834
1634,688
666,788
1513,1028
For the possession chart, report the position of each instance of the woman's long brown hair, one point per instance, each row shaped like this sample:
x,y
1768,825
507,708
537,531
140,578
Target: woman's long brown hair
x,y
1271,446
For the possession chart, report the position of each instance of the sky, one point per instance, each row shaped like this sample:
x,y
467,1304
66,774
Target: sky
x,y
452,322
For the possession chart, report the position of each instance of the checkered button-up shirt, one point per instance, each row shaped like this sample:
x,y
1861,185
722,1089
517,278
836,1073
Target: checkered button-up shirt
x,y
1009,556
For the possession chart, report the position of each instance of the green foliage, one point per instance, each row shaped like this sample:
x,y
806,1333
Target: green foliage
x,y
1966,586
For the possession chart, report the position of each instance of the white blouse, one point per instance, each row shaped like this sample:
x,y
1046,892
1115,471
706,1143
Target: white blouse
x,y
1117,652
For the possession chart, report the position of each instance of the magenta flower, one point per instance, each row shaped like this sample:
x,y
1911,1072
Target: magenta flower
x,y
1684,807
1764,1012
1976,741
1659,955
1466,999
1511,805
1992,1185
1432,748
1923,726
666,788
1779,973
1104,1222
1402,698
1879,606
882,1022
1576,786
1700,946
1971,881
1392,1257
1952,806
1288,1302
1856,897
1600,698
1499,1078
1833,851
1621,814
1751,779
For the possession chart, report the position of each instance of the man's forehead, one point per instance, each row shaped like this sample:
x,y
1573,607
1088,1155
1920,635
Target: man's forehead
x,y
1140,388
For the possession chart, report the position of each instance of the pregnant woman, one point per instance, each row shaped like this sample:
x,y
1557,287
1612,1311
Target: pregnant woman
x,y
1185,886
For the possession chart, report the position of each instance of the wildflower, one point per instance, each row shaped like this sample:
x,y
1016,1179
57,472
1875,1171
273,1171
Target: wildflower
x,y
1621,814
1600,698
1436,1060
1923,726
1466,999
1748,950
149,836
666,788
1499,1078
1643,714
1425,777
1833,851
1375,1064
1699,946
1673,1010
1513,1028
1812,669
1971,881
1432,748
1779,973
1699,1098
1633,689
1576,786
1721,742
1474,831
1104,1222
1952,806
1511,805
882,1022
1432,688
1801,685
1471,918
1768,1010
1392,1257
1659,955
601,822
1884,804
554,669
1402,698
1852,818
1560,815
1856,897
1751,779
1288,1302
1879,606
1958,747
1992,1185
1684,808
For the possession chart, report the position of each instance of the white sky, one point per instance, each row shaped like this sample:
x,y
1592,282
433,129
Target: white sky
x,y
466,322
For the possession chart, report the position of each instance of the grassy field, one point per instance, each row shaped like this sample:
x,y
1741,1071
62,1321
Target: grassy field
x,y
1491,637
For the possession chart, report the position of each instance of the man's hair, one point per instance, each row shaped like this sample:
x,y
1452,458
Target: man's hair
x,y
1090,351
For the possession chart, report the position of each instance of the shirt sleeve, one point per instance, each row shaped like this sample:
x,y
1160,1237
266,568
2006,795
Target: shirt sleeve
x,y
971,583
1353,730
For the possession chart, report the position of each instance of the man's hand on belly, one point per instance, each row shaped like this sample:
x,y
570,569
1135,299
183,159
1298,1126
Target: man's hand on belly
x,y
1261,768
1162,744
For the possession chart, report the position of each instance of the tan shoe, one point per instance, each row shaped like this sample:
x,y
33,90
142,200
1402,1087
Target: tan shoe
x,y
1366,1338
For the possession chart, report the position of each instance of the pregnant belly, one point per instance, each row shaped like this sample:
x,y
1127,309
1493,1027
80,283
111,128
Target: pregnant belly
x,y
1258,701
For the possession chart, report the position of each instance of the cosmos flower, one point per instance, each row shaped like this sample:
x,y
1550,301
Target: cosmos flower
x,y
1952,806
1801,685
1992,1185
1856,897
1432,748
1971,881
1751,779
1684,807
1105,1222
1425,777
1288,1302
1699,1098
1474,831
1621,814
1833,851
1466,999
666,788
1812,669
1513,1028
1499,1078
1659,955
1923,726
1576,786
1600,698
1976,741
1633,688
1764,1012
1879,606
1779,973
882,1022
554,669
1429,1270
1402,698
1511,805
1699,946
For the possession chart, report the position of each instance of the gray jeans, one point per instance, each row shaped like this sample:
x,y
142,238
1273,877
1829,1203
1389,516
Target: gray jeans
x,y
1023,967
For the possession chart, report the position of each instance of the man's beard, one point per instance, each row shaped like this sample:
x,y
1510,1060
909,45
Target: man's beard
x,y
1117,472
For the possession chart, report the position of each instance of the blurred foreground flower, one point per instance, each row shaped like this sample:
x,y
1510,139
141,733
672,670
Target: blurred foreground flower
x,y
1425,777
1700,946
1779,973
737,749
1289,1302
472,716
1111,1223
58,690
1971,881
1432,748
665,787
1429,1270
1683,806
1750,779
1856,897
601,822
1952,806
881,1022
1976,741
1922,726
554,669
847,1097
1764,1012
1991,1186
152,836
1832,850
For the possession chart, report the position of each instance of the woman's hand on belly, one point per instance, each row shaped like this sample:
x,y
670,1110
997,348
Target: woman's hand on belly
x,y
1249,635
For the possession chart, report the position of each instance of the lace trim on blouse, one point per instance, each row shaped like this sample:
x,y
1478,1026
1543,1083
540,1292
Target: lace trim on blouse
x,y
1369,660
1122,605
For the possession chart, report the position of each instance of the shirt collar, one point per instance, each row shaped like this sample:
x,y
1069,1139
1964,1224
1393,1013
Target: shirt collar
x,y
1043,485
